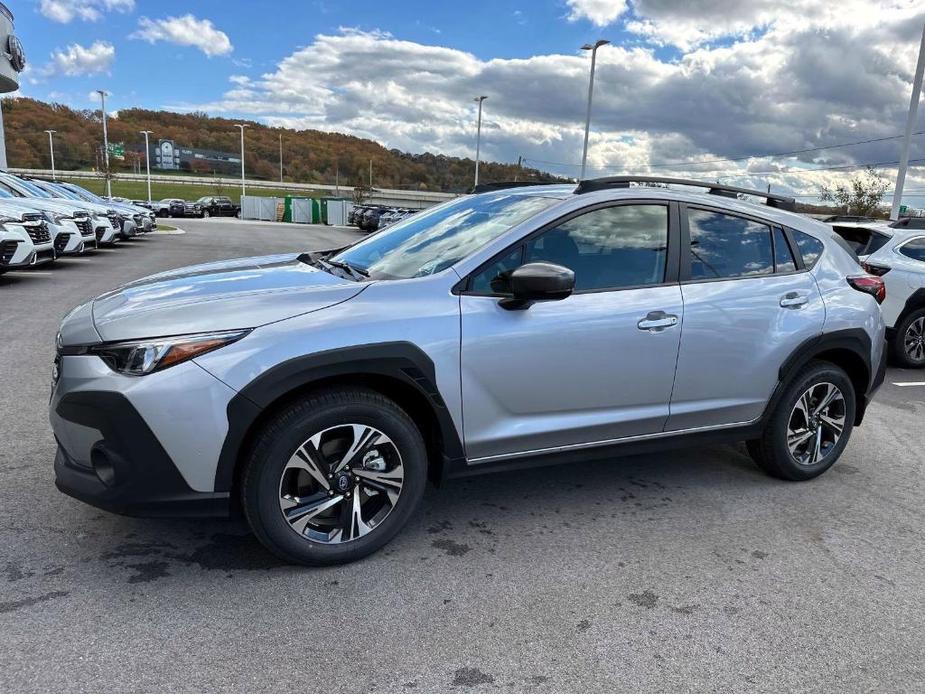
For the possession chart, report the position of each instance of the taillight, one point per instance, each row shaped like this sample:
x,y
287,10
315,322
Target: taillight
x,y
869,284
878,270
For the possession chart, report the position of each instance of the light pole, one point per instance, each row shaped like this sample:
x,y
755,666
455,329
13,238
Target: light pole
x,y
51,148
147,159
242,126
478,136
593,49
280,157
910,123
105,142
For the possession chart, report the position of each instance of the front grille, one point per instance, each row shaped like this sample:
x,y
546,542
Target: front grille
x,y
85,226
99,232
7,251
38,232
116,221
61,241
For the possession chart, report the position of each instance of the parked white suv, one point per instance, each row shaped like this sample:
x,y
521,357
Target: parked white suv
x,y
24,239
897,254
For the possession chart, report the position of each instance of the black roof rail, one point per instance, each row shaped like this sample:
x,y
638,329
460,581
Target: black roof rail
x,y
781,202
501,185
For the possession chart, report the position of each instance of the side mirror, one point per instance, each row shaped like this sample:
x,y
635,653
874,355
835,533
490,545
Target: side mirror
x,y
538,282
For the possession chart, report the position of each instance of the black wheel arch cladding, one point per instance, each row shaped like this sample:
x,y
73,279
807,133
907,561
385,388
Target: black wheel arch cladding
x,y
399,362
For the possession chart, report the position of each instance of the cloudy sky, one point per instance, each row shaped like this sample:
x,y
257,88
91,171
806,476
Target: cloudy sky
x,y
705,88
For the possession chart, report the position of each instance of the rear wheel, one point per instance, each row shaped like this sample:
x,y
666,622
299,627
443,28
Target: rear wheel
x,y
909,341
810,426
334,477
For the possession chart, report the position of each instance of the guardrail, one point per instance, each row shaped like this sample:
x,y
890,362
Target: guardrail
x,y
417,199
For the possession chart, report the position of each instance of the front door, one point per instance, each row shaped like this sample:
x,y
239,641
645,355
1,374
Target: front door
x,y
594,367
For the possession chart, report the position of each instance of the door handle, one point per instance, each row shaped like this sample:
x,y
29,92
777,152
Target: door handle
x,y
793,300
657,321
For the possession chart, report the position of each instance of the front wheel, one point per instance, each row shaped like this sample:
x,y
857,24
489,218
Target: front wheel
x,y
810,425
205,213
909,341
334,477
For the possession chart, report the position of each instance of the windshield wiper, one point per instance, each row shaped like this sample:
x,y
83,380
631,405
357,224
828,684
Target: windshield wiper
x,y
316,259
358,273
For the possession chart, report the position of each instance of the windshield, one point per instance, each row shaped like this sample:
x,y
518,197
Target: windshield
x,y
79,193
26,188
58,191
203,199
432,241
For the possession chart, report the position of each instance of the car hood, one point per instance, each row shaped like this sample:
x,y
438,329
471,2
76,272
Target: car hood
x,y
42,204
243,293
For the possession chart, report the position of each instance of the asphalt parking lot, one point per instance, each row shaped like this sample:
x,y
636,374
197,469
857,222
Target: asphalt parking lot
x,y
684,571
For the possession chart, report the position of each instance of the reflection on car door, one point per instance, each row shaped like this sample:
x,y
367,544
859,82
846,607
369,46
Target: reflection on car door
x,y
596,366
747,307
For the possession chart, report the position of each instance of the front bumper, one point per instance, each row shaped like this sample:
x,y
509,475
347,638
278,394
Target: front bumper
x,y
122,449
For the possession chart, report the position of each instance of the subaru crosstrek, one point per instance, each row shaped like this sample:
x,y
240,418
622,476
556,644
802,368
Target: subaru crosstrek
x,y
317,392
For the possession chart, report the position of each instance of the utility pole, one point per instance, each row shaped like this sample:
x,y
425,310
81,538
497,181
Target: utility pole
x,y
280,157
593,49
147,159
370,173
910,124
51,148
105,143
478,136
242,126
336,177
520,161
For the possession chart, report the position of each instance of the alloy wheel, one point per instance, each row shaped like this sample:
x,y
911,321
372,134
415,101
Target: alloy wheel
x,y
816,423
341,483
914,339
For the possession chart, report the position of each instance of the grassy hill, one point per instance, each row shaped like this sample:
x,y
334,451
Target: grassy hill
x,y
309,156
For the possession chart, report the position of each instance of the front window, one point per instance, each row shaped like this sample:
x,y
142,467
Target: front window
x,y
432,241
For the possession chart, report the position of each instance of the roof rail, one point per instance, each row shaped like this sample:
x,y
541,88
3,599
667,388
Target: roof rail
x,y
501,185
781,202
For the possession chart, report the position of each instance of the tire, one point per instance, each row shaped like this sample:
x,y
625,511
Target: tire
x,y
771,451
908,344
319,427
205,214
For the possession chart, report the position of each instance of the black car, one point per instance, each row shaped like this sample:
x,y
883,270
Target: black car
x,y
370,219
217,206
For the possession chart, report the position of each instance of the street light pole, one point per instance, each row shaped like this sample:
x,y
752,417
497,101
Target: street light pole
x,y
105,143
280,157
478,136
241,126
910,124
51,148
147,159
593,49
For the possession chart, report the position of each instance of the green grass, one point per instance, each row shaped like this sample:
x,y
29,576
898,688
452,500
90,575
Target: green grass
x,y
138,190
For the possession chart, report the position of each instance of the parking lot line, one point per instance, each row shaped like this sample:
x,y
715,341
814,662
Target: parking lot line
x,y
910,383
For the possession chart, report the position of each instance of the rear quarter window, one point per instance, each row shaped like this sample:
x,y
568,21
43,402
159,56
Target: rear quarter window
x,y
914,249
811,248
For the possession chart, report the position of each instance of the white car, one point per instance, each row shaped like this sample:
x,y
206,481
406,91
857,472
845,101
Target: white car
x,y
897,254
106,222
25,240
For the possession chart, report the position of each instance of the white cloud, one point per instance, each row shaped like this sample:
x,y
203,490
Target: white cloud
x,y
64,11
772,88
599,12
80,60
185,31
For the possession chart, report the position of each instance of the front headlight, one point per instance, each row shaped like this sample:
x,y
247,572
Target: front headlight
x,y
54,217
141,357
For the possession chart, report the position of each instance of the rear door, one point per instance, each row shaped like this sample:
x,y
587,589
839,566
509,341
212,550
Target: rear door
x,y
596,366
749,301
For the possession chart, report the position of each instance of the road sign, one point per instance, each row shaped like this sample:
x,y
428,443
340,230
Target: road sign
x,y
117,150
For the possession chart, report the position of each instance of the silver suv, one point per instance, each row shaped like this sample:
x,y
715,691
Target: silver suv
x,y
318,392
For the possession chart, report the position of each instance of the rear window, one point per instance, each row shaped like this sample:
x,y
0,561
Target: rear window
x,y
727,246
862,241
809,246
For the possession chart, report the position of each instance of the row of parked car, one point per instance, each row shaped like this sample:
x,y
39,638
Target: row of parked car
x,y
374,217
206,206
42,220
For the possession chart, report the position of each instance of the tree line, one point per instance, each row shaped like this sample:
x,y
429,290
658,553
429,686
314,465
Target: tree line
x,y
309,156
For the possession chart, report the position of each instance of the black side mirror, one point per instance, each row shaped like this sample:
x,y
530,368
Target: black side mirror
x,y
538,282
